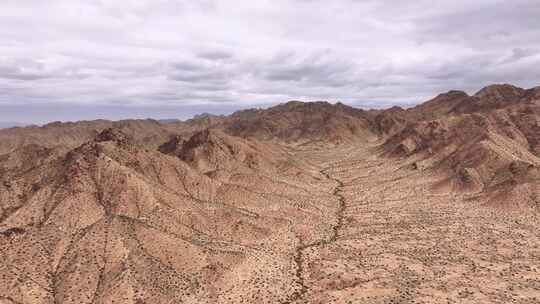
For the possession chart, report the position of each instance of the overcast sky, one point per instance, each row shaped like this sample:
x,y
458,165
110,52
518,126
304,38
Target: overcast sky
x,y
74,59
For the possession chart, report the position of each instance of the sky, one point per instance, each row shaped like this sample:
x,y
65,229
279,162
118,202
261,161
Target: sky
x,y
74,59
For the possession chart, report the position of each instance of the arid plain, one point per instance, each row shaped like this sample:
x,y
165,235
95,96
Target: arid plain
x,y
298,203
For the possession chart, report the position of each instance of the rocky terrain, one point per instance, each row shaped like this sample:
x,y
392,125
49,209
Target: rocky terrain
x,y
297,203
486,144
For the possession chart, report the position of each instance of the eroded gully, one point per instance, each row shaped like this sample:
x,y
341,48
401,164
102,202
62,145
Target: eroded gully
x,y
331,238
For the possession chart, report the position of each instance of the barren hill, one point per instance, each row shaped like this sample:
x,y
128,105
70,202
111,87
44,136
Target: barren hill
x,y
478,143
296,121
215,153
297,203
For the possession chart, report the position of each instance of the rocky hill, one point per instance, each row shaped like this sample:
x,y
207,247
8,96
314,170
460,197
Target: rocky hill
x,y
215,153
297,203
111,218
477,141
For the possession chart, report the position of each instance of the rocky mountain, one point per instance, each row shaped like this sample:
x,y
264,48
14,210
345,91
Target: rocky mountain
x,y
215,153
297,121
296,203
477,141
111,219
294,121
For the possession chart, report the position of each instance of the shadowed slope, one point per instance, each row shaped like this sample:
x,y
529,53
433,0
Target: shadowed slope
x,y
477,151
304,205
303,122
113,221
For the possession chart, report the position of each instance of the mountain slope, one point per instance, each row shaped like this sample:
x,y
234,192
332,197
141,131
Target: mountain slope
x,y
295,121
111,220
273,205
478,144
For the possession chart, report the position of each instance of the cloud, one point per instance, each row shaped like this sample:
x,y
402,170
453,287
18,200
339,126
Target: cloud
x,y
520,53
318,69
180,54
216,55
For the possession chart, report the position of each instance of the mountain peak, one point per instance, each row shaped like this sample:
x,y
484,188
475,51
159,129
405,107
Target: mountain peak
x,y
500,92
113,134
453,94
293,103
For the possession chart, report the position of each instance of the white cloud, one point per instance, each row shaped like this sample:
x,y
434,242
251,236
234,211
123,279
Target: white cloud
x,y
247,53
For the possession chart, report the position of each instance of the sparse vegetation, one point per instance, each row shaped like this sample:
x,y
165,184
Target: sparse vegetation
x,y
374,209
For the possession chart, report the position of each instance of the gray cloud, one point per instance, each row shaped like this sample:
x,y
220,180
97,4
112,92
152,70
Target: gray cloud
x,y
520,53
182,55
216,55
314,70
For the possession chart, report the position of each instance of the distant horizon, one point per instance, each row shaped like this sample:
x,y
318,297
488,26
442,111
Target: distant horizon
x,y
87,112
72,60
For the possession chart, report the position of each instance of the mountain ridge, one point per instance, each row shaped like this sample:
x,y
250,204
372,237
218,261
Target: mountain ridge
x,y
261,205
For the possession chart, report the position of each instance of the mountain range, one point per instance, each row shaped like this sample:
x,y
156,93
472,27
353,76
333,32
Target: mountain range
x,y
303,202
10,124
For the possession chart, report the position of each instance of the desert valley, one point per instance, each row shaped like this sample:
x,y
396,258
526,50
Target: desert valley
x,y
304,202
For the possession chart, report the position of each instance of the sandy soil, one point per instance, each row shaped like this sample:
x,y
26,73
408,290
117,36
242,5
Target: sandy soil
x,y
399,242
348,226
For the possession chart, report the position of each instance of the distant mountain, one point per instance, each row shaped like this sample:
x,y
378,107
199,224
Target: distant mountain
x,y
294,121
303,122
10,124
169,120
